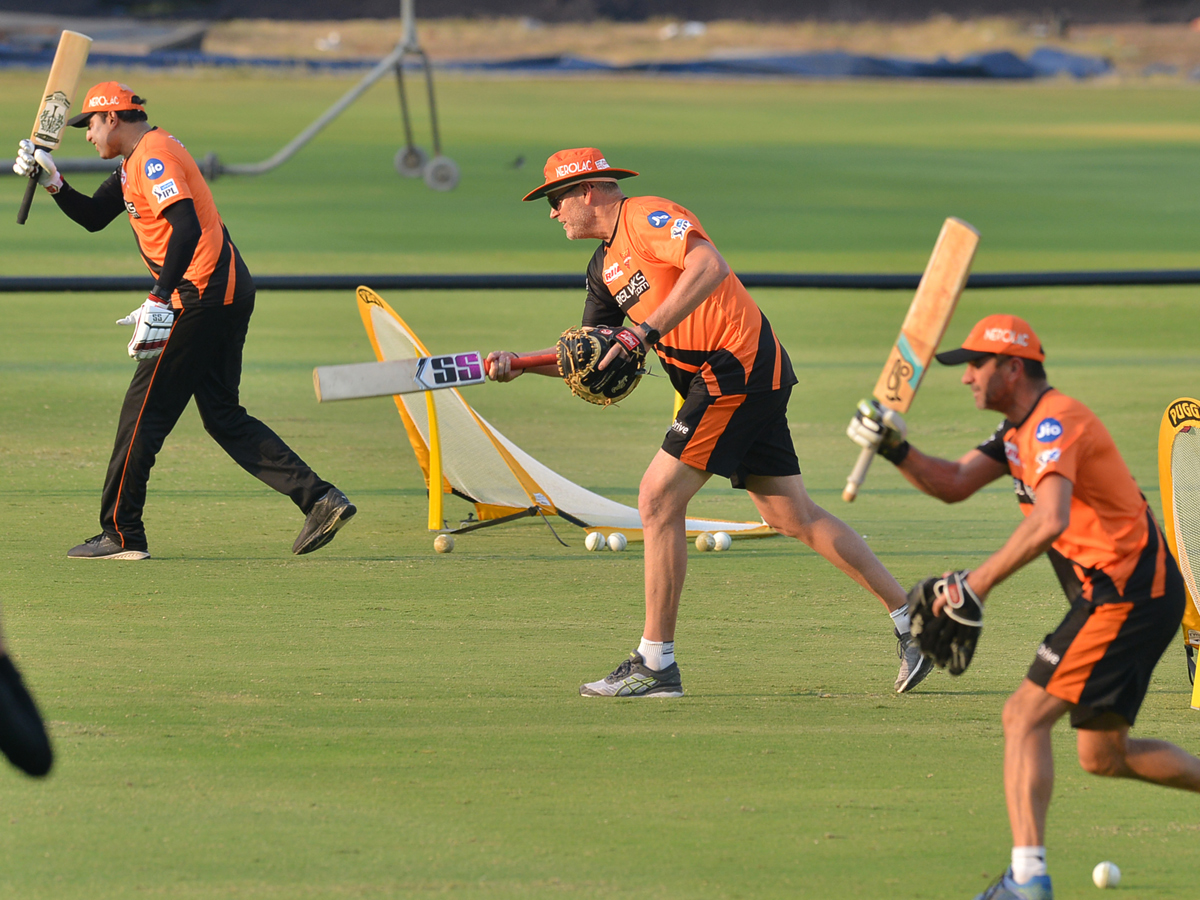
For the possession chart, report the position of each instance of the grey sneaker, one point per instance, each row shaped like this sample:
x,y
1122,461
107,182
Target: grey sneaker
x,y
913,666
104,547
327,515
1036,888
633,679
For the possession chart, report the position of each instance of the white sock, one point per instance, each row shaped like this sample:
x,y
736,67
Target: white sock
x,y
657,654
1028,862
900,617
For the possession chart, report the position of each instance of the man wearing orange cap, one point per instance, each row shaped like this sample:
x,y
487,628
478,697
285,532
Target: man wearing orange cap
x,y
657,266
188,334
1082,509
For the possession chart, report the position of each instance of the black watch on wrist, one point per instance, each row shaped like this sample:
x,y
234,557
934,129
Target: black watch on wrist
x,y
156,291
652,335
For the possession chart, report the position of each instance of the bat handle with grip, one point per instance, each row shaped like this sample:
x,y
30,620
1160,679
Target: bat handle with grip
x,y
23,212
858,475
533,361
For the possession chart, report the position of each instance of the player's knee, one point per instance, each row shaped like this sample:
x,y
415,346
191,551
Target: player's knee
x,y
1016,717
1102,759
655,503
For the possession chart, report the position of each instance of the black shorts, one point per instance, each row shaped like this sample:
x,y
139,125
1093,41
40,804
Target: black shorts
x,y
1102,655
734,435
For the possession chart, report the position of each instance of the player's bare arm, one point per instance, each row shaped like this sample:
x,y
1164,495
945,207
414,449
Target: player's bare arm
x,y
951,481
704,268
1050,517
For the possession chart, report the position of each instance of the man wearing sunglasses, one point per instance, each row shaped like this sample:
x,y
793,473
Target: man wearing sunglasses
x,y
656,265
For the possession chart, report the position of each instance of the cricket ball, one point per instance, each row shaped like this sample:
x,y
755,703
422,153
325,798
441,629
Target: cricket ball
x,y
722,541
1106,875
705,542
617,542
594,541
443,543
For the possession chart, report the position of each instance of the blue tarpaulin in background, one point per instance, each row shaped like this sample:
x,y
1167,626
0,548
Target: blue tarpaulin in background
x,y
1045,62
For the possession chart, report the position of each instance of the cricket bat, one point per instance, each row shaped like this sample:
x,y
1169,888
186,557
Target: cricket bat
x,y
937,296
410,376
55,108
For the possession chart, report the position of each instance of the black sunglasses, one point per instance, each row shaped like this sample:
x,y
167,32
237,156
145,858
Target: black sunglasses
x,y
556,201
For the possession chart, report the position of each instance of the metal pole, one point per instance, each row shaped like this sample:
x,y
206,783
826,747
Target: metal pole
x,y
408,19
385,66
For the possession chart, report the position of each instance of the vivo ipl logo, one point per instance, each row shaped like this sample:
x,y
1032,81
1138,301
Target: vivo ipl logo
x,y
155,169
658,219
1048,430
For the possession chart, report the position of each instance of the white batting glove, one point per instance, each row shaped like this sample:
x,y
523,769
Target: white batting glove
x,y
30,156
151,323
875,427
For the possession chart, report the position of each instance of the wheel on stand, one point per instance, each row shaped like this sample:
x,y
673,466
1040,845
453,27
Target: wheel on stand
x,y
441,174
410,161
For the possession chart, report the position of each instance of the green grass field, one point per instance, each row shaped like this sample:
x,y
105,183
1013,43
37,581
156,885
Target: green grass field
x,y
378,721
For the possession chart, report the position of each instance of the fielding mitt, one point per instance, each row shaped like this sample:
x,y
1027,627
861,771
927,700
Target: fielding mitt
x,y
580,351
947,639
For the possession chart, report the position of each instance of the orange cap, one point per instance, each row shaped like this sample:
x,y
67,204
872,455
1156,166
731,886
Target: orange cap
x,y
998,334
567,167
104,97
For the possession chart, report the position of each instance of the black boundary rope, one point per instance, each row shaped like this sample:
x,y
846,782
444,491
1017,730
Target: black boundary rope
x,y
568,282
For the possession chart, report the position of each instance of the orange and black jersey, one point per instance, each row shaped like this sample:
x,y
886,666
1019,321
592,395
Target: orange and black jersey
x,y
180,235
1112,550
727,343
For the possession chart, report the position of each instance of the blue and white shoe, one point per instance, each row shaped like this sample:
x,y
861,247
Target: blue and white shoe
x,y
1036,888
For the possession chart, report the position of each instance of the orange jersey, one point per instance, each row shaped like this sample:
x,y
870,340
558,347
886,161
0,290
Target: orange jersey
x,y
727,343
158,173
1106,553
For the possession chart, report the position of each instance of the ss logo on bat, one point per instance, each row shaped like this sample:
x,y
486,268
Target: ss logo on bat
x,y
455,369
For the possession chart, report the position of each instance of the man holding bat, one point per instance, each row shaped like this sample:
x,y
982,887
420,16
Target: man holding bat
x,y
188,334
1082,509
656,265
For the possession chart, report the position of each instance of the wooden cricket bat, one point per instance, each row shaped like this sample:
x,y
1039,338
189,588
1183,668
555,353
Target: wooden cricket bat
x,y
55,108
937,296
409,376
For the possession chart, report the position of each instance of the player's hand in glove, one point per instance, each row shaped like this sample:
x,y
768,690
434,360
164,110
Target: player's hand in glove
x,y
151,323
875,427
31,158
581,351
947,618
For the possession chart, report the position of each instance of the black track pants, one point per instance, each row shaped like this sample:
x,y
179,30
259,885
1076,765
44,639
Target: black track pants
x,y
202,359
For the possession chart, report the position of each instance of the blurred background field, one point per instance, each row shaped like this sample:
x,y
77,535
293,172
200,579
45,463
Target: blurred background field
x,y
375,720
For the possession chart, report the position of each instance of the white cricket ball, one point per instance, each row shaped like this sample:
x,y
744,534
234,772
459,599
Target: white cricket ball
x,y
594,541
722,541
617,542
1106,875
443,543
705,542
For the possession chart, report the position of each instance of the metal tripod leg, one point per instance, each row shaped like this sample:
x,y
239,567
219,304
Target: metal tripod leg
x,y
410,159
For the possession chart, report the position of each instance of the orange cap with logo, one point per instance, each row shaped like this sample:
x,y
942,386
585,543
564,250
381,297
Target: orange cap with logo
x,y
567,167
996,335
104,97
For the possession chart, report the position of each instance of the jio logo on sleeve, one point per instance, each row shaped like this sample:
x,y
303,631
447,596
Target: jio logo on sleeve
x,y
1048,430
155,169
